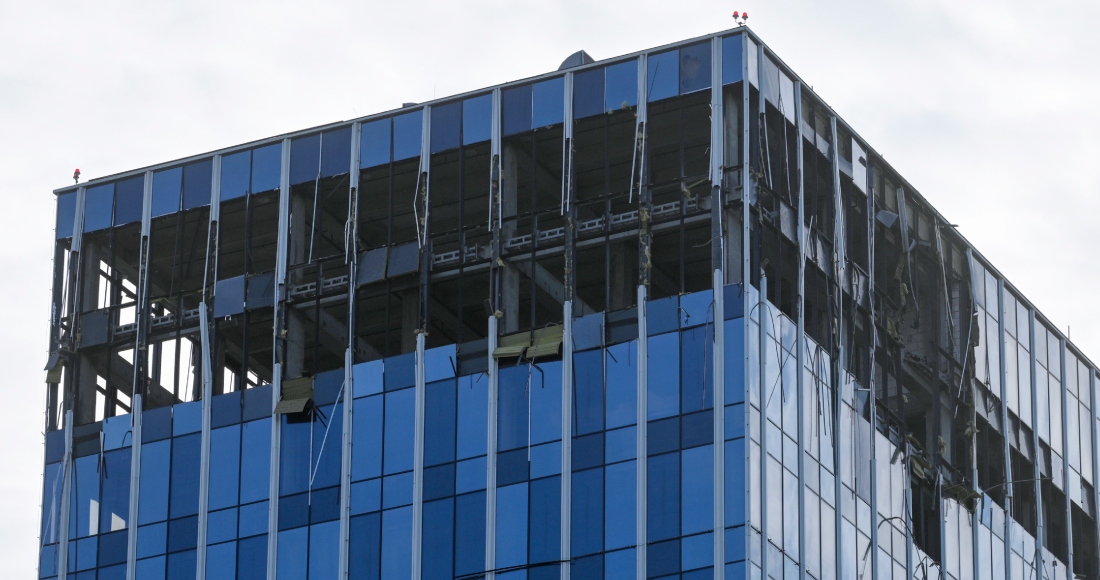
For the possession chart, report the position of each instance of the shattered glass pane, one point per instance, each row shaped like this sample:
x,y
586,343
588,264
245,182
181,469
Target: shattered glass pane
x,y
694,68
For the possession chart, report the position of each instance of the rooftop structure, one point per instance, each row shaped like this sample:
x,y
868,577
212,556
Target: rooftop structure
x,y
664,315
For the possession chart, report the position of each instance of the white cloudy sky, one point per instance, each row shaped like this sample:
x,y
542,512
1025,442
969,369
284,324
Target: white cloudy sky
x,y
986,107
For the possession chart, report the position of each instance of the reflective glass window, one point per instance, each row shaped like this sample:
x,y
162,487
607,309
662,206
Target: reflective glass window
x,y
66,213
129,197
197,180
336,152
305,159
98,205
446,126
374,148
266,167
407,135
588,93
694,68
621,86
477,119
548,103
516,109
236,172
732,59
166,191
664,75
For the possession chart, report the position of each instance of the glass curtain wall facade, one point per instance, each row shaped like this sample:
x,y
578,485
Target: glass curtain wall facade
x,y
660,316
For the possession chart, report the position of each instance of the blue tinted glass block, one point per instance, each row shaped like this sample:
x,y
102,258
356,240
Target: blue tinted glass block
x,y
735,361
622,85
255,460
225,410
477,119
587,512
664,376
305,159
511,525
512,405
438,544
621,565
225,459
588,392
732,59
336,152
470,475
366,457
397,543
186,418
257,403
548,103
397,490
620,485
293,511
735,481
697,551
181,566
252,558
112,573
98,204
236,171
324,549
587,451
735,544
294,457
512,467
696,370
266,167
152,540
112,548
516,110
374,143
83,519
662,315
407,135
399,431
664,75
293,553
621,444
365,534
663,558
469,534
367,378
400,371
588,332
546,459
694,68
697,489
221,526
114,508
167,186
439,481
545,528
116,432
66,213
697,308
546,402
473,416
663,436
326,387
221,561
129,197
252,519
153,495
184,496
439,422
439,363
151,569
622,381
446,126
183,534
197,179
663,502
588,98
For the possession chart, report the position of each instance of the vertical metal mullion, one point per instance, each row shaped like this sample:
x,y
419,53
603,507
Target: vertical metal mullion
x,y
1093,435
872,389
351,250
277,365
746,281
567,438
1009,492
1036,472
800,353
66,499
642,418
1065,457
764,312
207,374
418,458
491,457
840,271
718,350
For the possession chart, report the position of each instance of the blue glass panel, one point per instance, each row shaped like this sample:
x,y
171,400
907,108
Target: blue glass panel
x,y
51,503
366,458
294,457
587,568
114,509
293,553
732,59
236,170
98,204
473,414
516,110
112,548
167,186
399,431
113,573
620,482
225,460
326,448
252,558
327,388
183,534
367,378
588,96
735,361
187,418
548,103
156,424
324,549
588,331
587,512
438,546
151,569
469,534
374,147
257,403
664,375
439,422
82,554
305,159
366,496
181,566
512,525
735,543
397,543
439,363
588,392
400,371
407,135
470,475
397,490
546,402
66,213
622,85
153,493
697,489
255,460
694,68
266,167
546,459
221,561
225,409
697,429
622,384
587,451
662,315
129,197
546,520
253,519
152,540
512,408
477,119
663,503
735,481
366,535
735,421
621,565
697,308
512,467
621,444
197,178
336,152
663,436
664,75
446,126
439,481
697,551
663,558
221,526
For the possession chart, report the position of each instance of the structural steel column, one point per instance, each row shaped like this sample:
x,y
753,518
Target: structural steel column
x,y
800,352
207,369
351,250
1005,426
566,438
643,413
718,352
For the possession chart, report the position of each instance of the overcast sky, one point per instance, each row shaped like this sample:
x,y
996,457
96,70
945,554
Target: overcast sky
x,y
987,108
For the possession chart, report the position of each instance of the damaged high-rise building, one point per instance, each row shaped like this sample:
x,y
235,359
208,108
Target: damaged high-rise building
x,y
660,316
